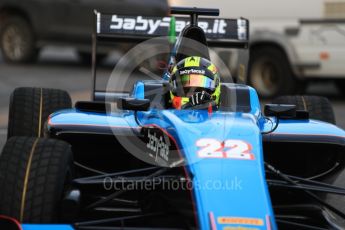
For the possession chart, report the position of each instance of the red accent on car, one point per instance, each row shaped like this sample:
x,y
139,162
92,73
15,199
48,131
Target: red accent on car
x,y
210,109
12,222
177,102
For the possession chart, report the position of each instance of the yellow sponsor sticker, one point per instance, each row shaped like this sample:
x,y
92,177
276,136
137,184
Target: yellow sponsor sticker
x,y
192,62
213,68
238,228
241,220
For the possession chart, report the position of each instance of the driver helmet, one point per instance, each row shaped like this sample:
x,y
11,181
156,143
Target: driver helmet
x,y
191,75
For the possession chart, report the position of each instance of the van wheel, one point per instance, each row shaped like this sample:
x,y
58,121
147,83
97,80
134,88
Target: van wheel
x,y
30,107
270,73
319,108
17,39
34,174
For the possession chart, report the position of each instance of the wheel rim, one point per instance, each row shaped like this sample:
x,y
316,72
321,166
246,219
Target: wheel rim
x,y
14,43
265,77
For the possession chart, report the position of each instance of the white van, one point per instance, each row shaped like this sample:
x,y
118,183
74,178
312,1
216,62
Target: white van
x,y
292,41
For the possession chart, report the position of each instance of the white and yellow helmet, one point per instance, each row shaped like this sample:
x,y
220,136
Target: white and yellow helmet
x,y
190,75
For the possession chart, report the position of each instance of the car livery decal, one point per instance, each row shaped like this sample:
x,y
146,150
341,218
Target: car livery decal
x,y
230,149
220,28
240,220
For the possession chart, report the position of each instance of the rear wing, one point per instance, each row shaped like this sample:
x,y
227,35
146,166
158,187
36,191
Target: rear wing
x,y
220,32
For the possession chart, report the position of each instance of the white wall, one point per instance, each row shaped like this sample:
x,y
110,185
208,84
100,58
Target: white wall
x,y
262,9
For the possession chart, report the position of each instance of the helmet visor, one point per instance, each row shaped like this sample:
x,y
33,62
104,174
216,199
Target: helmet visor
x,y
197,81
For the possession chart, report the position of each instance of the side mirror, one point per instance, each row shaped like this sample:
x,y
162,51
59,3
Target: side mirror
x,y
133,104
281,111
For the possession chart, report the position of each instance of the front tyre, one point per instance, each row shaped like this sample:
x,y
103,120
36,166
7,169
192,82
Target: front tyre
x,y
17,41
34,173
30,107
319,108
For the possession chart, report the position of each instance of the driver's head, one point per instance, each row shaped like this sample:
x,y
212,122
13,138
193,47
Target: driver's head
x,y
190,76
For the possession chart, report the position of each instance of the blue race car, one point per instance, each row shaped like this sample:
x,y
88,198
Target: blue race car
x,y
189,150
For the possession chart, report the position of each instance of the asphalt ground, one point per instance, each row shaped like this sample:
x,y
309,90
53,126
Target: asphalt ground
x,y
61,68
